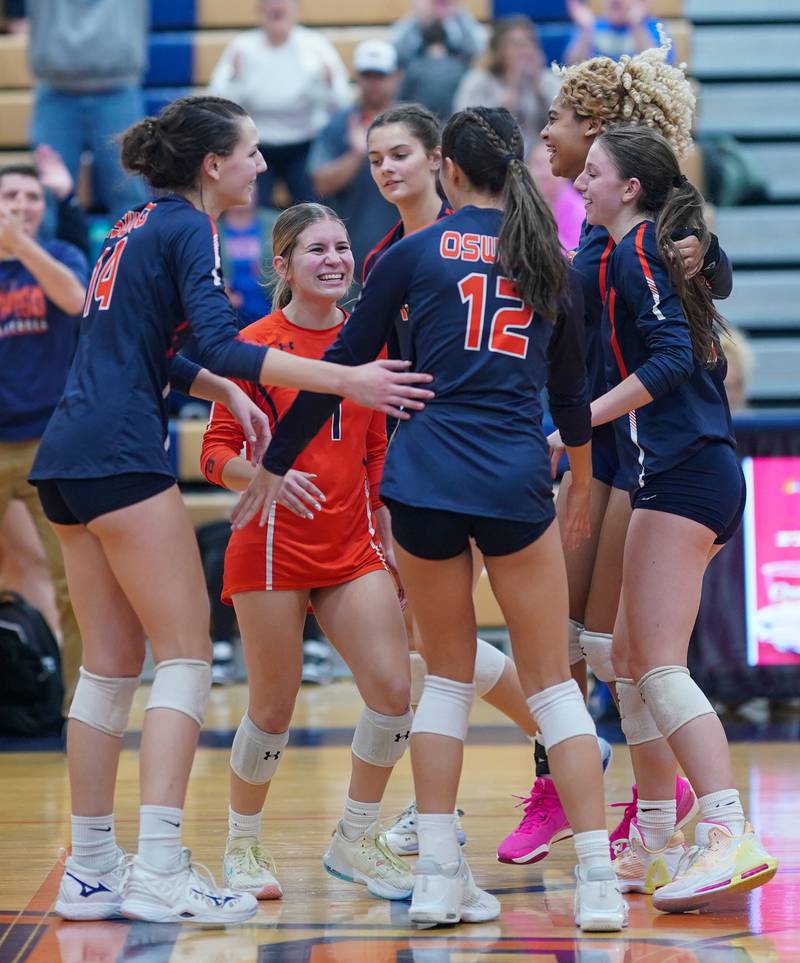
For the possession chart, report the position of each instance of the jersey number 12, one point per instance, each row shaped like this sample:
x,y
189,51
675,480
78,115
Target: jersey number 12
x,y
502,337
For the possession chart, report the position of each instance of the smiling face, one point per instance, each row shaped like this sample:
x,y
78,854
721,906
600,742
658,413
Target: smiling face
x,y
234,175
400,165
606,196
568,138
22,197
320,266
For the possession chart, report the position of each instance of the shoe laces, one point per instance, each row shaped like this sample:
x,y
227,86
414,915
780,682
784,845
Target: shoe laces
x,y
251,859
378,842
202,874
538,806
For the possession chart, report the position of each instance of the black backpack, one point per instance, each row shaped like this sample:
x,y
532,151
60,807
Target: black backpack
x,y
31,688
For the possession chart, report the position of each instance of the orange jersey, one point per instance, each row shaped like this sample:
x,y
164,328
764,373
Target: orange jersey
x,y
340,543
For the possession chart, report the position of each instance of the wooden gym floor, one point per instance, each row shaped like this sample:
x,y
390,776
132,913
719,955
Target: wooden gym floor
x,y
323,920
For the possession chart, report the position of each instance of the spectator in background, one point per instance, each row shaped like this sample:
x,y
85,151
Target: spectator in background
x,y
517,78
338,160
463,34
13,16
626,27
562,198
42,289
433,76
246,246
88,60
290,80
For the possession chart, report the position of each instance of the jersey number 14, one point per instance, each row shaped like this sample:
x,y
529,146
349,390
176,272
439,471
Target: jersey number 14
x,y
503,337
104,276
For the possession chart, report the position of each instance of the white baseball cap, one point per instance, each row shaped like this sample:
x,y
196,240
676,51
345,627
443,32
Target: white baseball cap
x,y
375,56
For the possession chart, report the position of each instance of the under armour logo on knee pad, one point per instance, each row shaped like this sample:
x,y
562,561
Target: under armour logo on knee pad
x,y
402,735
272,755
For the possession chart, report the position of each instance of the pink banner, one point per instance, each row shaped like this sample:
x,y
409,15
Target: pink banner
x,y
772,560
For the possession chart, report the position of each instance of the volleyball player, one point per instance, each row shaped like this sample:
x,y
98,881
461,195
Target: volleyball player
x,y
643,90
674,438
484,290
324,546
106,485
404,152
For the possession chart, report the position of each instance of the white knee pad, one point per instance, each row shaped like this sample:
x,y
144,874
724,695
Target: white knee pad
x,y
381,740
561,713
638,723
103,703
596,648
444,707
575,650
419,669
673,697
255,754
490,663
182,685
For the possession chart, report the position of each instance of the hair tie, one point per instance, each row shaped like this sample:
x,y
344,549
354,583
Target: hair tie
x,y
507,158
679,180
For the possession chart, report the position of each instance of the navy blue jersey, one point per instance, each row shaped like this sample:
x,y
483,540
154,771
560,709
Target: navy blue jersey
x,y
156,287
478,447
645,332
399,341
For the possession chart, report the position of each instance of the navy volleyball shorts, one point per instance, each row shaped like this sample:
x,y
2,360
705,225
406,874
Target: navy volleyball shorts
x,y
708,487
605,460
436,534
78,501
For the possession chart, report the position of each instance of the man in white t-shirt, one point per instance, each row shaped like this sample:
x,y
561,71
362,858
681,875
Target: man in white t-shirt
x,y
290,80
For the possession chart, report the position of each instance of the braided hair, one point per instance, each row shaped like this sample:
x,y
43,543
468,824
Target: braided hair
x,y
486,143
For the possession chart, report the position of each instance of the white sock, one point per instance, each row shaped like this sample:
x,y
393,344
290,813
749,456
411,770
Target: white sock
x,y
160,836
656,819
723,807
358,817
94,842
241,825
592,849
438,840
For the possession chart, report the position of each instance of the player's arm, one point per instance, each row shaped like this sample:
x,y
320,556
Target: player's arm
x,y
568,389
646,289
60,283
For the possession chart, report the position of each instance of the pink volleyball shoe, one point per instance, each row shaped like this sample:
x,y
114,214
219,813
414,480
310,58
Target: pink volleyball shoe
x,y
543,824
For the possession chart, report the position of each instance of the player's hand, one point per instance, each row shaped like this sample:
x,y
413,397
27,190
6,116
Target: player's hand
x,y
581,14
577,525
257,497
387,386
692,253
556,446
299,494
254,422
53,172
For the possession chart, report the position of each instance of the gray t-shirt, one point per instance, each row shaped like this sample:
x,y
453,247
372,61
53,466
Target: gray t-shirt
x,y
367,216
85,45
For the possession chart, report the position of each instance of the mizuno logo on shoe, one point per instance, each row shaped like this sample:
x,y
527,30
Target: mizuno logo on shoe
x,y
86,889
216,900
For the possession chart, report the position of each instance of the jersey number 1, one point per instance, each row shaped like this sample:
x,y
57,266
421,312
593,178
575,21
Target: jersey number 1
x,y
104,276
502,338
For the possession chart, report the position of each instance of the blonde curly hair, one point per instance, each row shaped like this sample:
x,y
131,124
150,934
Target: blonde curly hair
x,y
643,89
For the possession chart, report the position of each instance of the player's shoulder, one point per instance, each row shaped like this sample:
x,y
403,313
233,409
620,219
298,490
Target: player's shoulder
x,y
265,330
